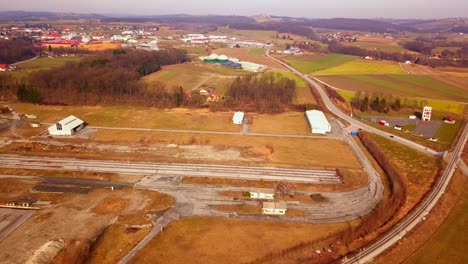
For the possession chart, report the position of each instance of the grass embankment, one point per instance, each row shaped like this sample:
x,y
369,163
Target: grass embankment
x,y
307,65
363,67
403,85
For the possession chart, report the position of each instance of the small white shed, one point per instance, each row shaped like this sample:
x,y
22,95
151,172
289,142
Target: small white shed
x,y
238,118
67,126
268,194
274,208
318,122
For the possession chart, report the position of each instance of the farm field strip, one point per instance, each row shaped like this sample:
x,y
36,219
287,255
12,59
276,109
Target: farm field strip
x,y
398,85
328,61
363,67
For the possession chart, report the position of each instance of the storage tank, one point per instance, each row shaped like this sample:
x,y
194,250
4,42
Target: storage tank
x,y
213,58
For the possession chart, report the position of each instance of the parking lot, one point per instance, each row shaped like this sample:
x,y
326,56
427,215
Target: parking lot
x,y
424,129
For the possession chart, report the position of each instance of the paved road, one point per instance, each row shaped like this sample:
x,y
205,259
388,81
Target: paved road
x,y
355,124
11,219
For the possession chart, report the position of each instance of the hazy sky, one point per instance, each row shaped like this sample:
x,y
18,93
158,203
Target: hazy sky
x,y
295,8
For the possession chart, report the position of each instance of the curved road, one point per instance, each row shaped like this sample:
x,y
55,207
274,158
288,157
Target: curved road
x,y
425,206
354,123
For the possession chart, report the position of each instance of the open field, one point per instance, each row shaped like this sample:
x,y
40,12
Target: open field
x,y
206,240
404,85
101,46
461,72
285,123
302,95
378,43
255,55
284,152
363,67
259,35
42,64
190,75
309,65
141,117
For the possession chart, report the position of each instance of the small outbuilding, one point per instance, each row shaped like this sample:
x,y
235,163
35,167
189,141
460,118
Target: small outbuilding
x,y
318,122
238,118
256,193
67,127
274,208
449,119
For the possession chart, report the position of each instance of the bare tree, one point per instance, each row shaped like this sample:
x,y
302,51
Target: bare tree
x,y
284,187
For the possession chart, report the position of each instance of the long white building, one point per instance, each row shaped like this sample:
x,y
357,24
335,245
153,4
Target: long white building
x,y
67,126
318,122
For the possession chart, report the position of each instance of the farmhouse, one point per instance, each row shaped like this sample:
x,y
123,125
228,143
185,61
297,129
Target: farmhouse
x,y
238,118
318,122
256,193
67,126
274,208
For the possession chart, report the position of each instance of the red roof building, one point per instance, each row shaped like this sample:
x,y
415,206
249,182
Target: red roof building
x,y
3,67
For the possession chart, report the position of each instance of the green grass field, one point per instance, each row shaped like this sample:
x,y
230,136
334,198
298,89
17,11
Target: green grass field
x,y
377,46
448,132
404,85
302,95
321,63
363,67
42,64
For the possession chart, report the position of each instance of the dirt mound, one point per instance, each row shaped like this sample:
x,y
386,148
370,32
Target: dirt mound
x,y
259,151
111,205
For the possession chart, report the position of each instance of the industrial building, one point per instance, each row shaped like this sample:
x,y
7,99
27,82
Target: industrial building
x,y
256,193
214,58
253,67
67,126
274,208
318,122
232,65
238,118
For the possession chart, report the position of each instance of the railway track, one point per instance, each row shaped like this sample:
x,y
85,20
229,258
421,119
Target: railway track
x,y
416,215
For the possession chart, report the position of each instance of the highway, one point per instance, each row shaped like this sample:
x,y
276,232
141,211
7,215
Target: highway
x,y
417,215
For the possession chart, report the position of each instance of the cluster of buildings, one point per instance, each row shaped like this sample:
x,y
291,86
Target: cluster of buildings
x,y
270,207
233,63
7,68
231,41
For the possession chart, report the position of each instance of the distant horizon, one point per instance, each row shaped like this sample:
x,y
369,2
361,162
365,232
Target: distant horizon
x,y
137,15
396,9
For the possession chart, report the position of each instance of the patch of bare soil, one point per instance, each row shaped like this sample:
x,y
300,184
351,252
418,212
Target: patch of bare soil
x,y
110,205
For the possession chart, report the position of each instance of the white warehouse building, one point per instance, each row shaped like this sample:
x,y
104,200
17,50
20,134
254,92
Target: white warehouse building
x,y
238,118
67,126
318,122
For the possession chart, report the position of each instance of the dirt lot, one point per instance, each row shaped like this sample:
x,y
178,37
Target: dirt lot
x,y
72,217
206,240
285,151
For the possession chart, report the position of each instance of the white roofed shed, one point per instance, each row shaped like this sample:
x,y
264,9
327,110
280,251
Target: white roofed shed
x,y
238,118
67,126
318,122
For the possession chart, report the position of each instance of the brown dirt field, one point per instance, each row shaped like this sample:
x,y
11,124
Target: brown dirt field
x,y
303,96
72,174
459,78
206,240
240,209
102,46
110,206
422,234
284,123
71,216
287,151
244,55
455,71
351,180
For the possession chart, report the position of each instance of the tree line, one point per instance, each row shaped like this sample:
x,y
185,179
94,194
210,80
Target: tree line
x,y
382,104
16,50
268,92
110,78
